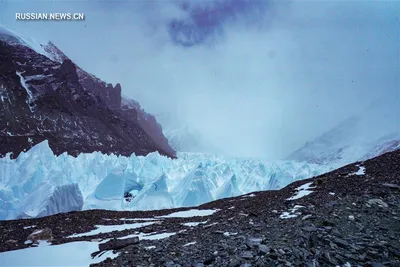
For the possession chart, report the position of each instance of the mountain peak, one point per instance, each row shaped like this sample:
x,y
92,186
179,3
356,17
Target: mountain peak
x,y
75,111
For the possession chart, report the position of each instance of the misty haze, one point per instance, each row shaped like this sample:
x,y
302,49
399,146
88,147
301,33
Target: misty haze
x,y
244,78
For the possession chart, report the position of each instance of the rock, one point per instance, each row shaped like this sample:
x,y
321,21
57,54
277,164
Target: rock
x,y
327,222
253,242
68,72
41,234
115,244
336,232
253,214
340,242
379,202
263,249
273,256
361,257
219,232
209,260
246,255
309,216
11,241
331,204
234,263
240,237
287,263
351,218
309,229
393,186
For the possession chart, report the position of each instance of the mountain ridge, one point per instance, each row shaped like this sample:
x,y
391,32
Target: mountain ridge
x,y
46,96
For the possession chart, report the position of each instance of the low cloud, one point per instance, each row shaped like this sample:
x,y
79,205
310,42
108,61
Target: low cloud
x,y
257,79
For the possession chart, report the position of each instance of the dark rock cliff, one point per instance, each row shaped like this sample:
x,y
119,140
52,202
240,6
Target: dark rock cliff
x,y
49,97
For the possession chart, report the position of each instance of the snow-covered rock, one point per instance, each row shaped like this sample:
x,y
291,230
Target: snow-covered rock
x,y
10,36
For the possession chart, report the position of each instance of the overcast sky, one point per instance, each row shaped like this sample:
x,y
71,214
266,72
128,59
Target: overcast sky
x,y
256,78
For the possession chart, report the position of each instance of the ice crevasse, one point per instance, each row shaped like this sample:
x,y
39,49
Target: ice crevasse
x,y
38,183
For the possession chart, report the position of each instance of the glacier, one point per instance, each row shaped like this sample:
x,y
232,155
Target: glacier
x,y
38,183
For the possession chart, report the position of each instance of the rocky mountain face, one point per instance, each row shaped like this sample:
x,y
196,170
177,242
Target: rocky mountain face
x,y
348,217
46,96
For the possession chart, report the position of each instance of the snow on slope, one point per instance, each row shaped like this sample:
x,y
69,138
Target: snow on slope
x,y
366,135
55,255
12,37
37,182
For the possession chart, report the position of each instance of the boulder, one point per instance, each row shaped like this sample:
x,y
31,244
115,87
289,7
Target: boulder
x,y
115,244
41,234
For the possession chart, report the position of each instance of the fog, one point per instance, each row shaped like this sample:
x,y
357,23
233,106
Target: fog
x,y
255,78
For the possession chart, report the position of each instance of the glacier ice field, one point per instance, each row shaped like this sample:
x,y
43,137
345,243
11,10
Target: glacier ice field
x,y
38,183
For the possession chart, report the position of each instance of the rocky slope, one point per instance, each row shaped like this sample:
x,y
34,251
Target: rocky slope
x,y
44,95
348,217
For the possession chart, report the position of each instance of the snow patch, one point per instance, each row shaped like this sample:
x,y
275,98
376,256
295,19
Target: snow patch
x,y
302,191
149,236
37,232
361,171
55,255
111,228
190,213
28,91
292,213
209,225
251,195
229,234
193,224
